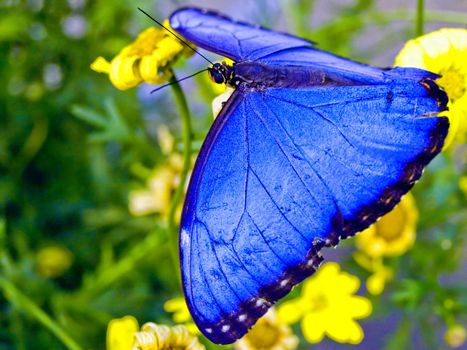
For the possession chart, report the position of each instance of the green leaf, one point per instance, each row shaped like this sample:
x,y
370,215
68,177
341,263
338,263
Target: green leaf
x,y
88,115
113,126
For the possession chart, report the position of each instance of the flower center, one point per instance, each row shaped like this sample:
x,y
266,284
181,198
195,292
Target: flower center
x,y
453,83
319,303
263,336
391,226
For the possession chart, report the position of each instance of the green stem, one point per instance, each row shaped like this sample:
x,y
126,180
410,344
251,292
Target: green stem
x,y
187,135
28,306
420,18
126,265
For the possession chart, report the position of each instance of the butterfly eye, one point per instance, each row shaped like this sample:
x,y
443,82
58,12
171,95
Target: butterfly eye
x,y
216,76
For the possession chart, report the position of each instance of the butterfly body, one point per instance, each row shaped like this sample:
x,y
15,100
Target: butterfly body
x,y
309,149
259,76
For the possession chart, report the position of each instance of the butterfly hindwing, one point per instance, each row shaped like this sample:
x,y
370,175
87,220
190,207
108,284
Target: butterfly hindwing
x,y
374,148
284,170
236,260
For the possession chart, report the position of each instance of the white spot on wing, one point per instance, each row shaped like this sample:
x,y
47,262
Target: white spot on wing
x,y
184,238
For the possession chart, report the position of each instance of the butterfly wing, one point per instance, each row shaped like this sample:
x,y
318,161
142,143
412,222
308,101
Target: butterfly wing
x,y
248,225
235,40
284,172
369,143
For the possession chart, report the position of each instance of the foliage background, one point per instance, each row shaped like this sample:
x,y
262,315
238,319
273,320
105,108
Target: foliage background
x,y
65,181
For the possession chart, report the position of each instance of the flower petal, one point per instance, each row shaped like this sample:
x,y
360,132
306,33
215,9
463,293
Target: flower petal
x,y
435,43
358,307
175,304
290,311
149,69
457,37
345,331
100,65
121,333
411,56
123,72
375,284
313,328
348,284
217,102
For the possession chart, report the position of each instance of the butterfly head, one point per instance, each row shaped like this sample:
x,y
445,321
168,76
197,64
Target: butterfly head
x,y
221,73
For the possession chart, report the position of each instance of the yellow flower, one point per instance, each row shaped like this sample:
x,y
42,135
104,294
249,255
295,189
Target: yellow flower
x,y
159,337
268,334
381,274
393,234
165,139
443,52
376,282
147,59
328,306
455,336
160,186
53,261
121,333
181,315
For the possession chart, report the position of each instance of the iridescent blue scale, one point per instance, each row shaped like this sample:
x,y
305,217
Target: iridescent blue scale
x,y
309,149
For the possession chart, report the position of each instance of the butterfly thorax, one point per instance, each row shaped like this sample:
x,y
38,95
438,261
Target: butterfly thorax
x,y
258,76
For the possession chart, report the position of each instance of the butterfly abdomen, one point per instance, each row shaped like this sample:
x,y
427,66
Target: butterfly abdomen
x,y
259,76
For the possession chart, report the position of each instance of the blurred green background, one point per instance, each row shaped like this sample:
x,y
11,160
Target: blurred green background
x,y
72,148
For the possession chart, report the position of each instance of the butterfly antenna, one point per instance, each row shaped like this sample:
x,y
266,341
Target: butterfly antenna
x,y
175,35
177,81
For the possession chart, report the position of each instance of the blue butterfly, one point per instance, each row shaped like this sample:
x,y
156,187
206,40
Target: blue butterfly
x,y
310,148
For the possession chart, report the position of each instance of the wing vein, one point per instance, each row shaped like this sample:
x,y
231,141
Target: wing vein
x,y
343,163
247,139
319,114
218,261
276,205
245,191
265,240
205,280
300,150
278,143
